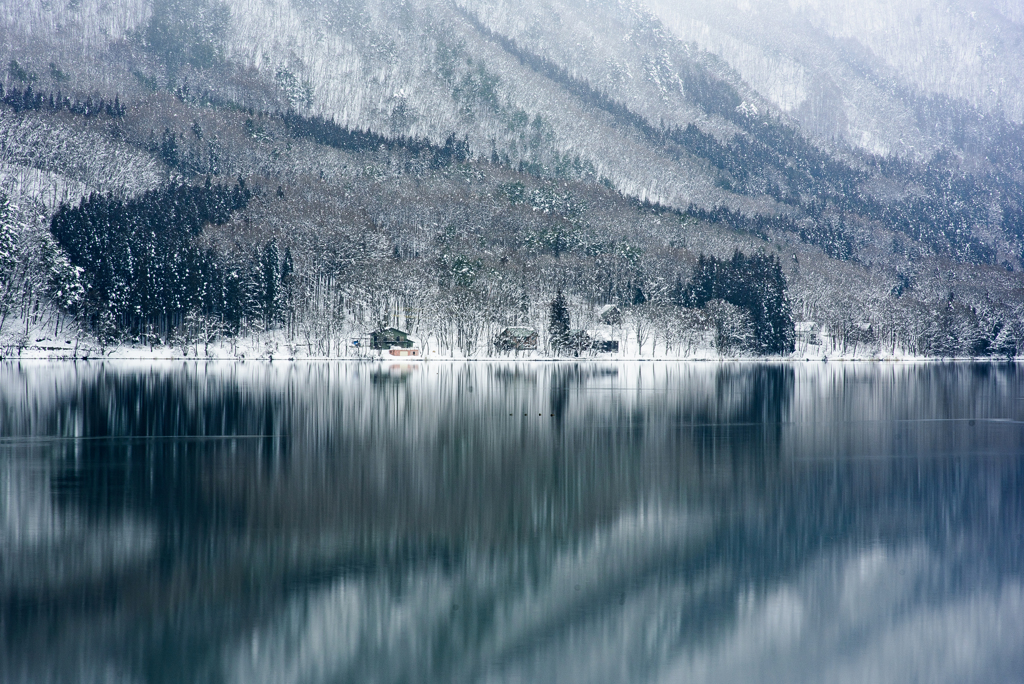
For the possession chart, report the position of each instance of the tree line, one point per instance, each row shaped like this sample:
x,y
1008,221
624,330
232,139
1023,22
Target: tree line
x,y
29,99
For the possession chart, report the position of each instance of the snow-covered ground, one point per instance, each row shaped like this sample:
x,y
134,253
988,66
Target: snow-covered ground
x,y
41,343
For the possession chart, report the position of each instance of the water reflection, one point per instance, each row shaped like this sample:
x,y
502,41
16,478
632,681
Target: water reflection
x,y
511,522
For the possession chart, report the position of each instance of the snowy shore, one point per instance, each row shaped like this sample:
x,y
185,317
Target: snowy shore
x,y
277,350
36,342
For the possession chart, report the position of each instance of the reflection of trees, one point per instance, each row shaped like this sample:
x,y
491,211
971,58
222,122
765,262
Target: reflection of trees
x,y
565,378
282,482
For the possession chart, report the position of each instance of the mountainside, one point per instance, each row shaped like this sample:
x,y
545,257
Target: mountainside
x,y
853,70
449,166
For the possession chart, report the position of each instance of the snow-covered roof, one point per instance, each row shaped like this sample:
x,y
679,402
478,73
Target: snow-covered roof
x,y
519,332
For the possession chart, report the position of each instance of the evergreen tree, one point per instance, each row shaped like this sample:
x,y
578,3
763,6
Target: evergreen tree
x,y
269,267
558,321
7,258
169,148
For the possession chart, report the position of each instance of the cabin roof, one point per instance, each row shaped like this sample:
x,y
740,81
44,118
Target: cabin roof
x,y
520,332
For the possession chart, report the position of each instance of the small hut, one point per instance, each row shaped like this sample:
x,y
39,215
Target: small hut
x,y
807,332
516,339
390,337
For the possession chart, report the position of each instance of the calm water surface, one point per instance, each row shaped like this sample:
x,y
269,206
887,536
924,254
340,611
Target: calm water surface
x,y
435,522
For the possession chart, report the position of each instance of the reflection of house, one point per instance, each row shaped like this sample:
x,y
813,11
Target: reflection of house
x,y
391,337
516,339
807,333
610,314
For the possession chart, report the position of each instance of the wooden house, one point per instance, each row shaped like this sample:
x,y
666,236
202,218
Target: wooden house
x,y
807,333
516,339
390,337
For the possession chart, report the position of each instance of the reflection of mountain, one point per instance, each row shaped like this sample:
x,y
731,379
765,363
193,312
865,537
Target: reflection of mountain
x,y
591,437
311,524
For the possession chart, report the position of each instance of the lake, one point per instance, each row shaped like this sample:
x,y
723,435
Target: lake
x,y
504,522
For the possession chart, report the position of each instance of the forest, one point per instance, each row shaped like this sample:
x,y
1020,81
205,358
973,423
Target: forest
x,y
185,201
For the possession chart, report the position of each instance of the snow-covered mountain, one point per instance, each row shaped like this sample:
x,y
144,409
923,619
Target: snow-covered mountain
x,y
850,72
851,69
884,141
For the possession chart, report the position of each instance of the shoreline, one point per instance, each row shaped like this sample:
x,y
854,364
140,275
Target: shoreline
x,y
115,356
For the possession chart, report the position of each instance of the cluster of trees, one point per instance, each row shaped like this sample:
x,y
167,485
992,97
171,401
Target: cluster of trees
x,y
328,132
947,328
177,265
27,99
772,158
38,283
188,32
756,285
149,271
742,301
769,157
145,270
501,247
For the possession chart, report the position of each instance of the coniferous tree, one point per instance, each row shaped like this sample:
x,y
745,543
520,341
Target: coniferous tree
x,y
558,322
169,148
269,266
8,259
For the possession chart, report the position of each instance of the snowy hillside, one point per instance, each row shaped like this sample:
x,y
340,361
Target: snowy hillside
x,y
846,69
208,168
